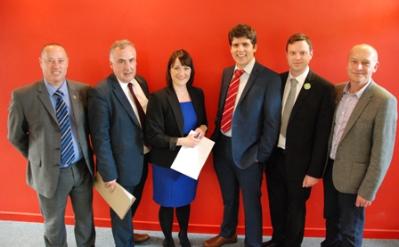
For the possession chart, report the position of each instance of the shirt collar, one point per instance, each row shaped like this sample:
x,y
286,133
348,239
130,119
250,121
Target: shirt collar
x,y
51,89
300,78
248,68
359,93
124,84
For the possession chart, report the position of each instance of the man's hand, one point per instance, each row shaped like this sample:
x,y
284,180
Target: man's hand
x,y
361,202
111,185
309,181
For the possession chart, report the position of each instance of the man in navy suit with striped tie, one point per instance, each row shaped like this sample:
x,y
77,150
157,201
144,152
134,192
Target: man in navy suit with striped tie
x,y
246,130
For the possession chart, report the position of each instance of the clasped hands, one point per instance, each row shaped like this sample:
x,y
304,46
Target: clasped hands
x,y
192,139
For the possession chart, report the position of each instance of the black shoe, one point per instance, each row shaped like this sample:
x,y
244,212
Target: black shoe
x,y
168,242
270,243
184,241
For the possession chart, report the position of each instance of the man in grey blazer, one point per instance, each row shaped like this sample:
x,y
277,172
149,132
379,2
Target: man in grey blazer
x,y
361,148
47,124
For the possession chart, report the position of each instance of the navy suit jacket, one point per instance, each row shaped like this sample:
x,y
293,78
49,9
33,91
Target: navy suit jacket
x,y
256,119
117,136
309,127
164,123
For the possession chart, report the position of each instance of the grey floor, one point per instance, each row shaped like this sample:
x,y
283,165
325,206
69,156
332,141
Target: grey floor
x,y
22,234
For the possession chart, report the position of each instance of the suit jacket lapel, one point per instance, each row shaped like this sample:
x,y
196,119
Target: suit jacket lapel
x,y
303,94
42,93
225,87
360,106
196,101
284,77
143,86
174,104
339,89
76,103
121,97
250,82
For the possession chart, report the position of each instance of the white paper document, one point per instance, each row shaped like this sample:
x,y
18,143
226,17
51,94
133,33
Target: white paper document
x,y
190,161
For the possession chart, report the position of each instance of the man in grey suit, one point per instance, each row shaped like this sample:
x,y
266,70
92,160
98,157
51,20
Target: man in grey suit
x,y
117,109
361,147
47,124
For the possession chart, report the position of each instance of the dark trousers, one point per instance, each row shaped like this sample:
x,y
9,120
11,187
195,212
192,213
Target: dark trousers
x,y
344,221
232,180
287,202
74,182
122,229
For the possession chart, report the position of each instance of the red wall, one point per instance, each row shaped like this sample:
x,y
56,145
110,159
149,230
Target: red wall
x,y
87,29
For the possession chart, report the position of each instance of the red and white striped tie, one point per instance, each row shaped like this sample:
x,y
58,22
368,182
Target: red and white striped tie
x,y
229,103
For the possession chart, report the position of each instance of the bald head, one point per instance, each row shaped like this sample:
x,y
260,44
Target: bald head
x,y
50,46
54,64
365,48
362,64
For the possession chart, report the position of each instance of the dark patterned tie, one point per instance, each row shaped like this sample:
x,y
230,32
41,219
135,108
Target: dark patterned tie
x,y
225,124
64,121
138,105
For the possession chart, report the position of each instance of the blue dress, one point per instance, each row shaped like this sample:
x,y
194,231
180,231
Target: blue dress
x,y
171,188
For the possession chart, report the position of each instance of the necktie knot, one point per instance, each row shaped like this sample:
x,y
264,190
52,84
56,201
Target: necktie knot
x,y
294,82
238,72
59,94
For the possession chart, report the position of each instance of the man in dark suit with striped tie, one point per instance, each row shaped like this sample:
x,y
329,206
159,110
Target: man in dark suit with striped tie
x,y
47,124
246,129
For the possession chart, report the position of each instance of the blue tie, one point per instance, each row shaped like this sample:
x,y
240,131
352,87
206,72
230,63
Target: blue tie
x,y
61,111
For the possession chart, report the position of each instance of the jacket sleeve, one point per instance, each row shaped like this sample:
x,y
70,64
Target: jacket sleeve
x,y
99,123
382,149
18,130
155,126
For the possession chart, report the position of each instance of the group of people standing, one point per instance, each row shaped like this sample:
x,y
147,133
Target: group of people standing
x,y
296,127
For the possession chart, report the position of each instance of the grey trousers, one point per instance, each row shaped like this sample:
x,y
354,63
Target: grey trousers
x,y
75,182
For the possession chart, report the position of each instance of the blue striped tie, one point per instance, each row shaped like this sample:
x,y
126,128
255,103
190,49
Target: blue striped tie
x,y
61,111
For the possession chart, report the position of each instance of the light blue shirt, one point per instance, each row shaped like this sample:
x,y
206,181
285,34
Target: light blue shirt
x,y
345,108
53,98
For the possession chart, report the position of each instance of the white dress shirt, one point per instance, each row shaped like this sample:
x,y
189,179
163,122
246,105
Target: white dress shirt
x,y
243,82
143,100
301,80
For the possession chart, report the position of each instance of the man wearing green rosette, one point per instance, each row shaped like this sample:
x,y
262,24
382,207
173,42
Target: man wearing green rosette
x,y
297,162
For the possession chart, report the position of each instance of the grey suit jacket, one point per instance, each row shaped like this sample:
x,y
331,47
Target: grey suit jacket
x,y
366,147
34,131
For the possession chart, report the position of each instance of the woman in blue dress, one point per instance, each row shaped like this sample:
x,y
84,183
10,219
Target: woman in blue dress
x,y
171,114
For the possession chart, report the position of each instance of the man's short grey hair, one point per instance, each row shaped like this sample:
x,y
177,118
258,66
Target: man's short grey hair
x,y
120,44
